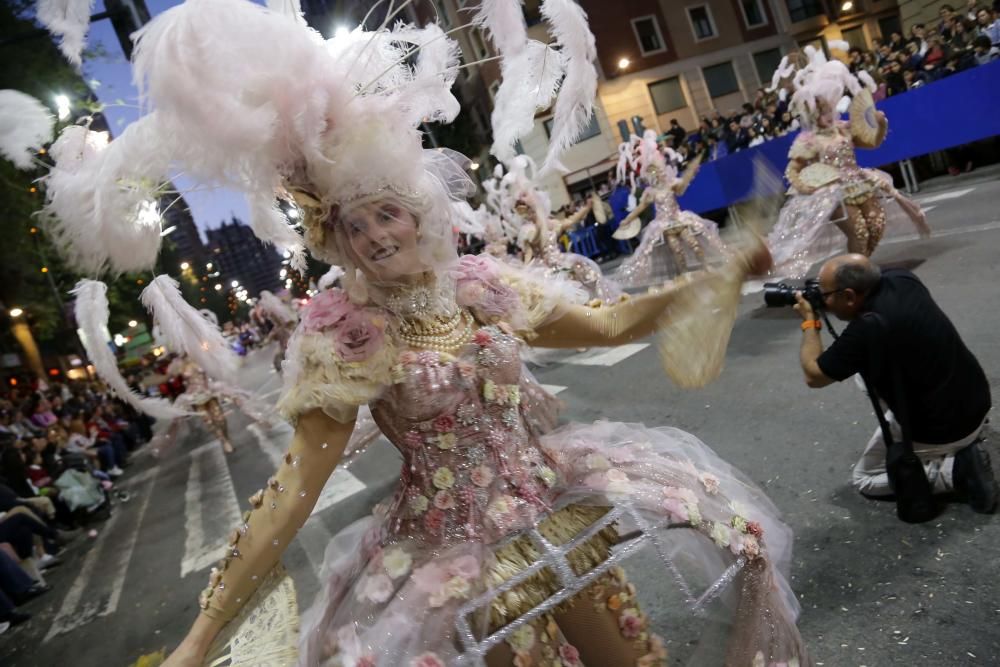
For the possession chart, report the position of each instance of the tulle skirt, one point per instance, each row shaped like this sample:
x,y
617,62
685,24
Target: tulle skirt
x,y
806,231
710,545
583,271
654,262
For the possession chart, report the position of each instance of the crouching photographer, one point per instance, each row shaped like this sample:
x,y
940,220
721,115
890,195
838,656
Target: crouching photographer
x,y
929,392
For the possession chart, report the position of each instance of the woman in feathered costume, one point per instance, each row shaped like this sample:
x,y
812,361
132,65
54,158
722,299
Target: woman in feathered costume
x,y
831,197
538,233
503,542
281,319
674,234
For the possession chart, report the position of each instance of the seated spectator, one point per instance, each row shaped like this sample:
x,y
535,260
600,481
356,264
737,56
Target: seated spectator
x,y
737,138
913,79
936,55
16,588
962,34
42,415
755,139
894,79
896,41
914,59
983,52
917,36
947,14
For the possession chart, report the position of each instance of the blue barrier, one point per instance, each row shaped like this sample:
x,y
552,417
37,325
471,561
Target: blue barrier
x,y
960,109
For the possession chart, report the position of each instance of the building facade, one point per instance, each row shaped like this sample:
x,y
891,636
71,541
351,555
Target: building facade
x,y
242,257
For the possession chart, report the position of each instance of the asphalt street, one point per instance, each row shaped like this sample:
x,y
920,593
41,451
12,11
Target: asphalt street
x,y
873,591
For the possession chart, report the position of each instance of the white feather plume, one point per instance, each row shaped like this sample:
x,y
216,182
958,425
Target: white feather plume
x,y
467,220
575,104
25,126
530,81
69,20
327,280
503,21
271,226
276,309
186,330
103,197
91,310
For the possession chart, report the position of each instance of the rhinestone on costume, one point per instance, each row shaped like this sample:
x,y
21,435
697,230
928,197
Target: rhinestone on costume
x,y
324,446
275,542
302,494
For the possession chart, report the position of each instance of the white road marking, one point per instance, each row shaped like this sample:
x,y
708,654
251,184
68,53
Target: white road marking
x,y
944,196
553,389
72,614
971,229
606,356
211,509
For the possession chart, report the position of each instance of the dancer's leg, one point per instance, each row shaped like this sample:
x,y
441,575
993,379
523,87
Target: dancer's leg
x,y
607,626
855,228
687,235
677,249
874,213
216,420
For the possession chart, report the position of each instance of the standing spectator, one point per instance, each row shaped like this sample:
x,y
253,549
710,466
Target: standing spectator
x,y
736,139
947,14
677,133
913,59
896,41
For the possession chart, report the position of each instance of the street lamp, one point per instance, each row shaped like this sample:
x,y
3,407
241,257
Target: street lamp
x,y
62,107
16,312
235,283
847,6
218,287
209,266
185,266
132,324
474,166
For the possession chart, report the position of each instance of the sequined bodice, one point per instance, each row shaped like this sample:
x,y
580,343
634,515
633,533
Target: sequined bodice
x,y
549,241
471,467
836,149
666,203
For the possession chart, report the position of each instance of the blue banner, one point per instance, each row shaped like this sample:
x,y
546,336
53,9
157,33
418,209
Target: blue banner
x,y
960,109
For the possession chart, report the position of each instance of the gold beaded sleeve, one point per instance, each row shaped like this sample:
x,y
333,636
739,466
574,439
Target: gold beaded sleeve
x,y
277,513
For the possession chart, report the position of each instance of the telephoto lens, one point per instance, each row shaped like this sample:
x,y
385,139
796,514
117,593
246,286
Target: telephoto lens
x,y
779,295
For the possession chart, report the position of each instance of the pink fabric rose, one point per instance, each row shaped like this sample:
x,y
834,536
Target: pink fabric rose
x,y
444,500
466,567
481,476
630,624
482,338
676,509
427,660
430,577
413,440
569,655
366,661
326,310
475,267
467,370
755,529
444,424
408,357
434,520
357,337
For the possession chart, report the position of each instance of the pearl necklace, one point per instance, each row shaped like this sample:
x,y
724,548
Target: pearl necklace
x,y
440,335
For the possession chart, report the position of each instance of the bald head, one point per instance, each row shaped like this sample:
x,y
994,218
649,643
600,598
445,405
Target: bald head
x,y
852,271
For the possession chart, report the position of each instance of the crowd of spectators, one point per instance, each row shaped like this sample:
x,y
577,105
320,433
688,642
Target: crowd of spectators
x,y
961,40
62,447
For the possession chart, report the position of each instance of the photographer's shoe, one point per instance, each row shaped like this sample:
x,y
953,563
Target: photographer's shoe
x,y
973,477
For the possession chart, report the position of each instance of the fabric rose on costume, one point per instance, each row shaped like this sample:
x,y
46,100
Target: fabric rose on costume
x,y
681,493
396,562
676,509
596,462
434,520
443,580
569,655
630,623
754,529
547,475
446,441
478,285
413,440
427,660
481,476
444,478
366,661
444,424
419,504
358,336
482,338
444,500
522,640
618,482
710,482
377,588
326,310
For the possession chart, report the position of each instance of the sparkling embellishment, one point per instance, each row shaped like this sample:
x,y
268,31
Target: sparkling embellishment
x,y
244,528
274,505
324,446
296,460
253,578
222,587
275,542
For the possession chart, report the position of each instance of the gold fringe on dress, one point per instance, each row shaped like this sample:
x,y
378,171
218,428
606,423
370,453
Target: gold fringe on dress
x,y
517,555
